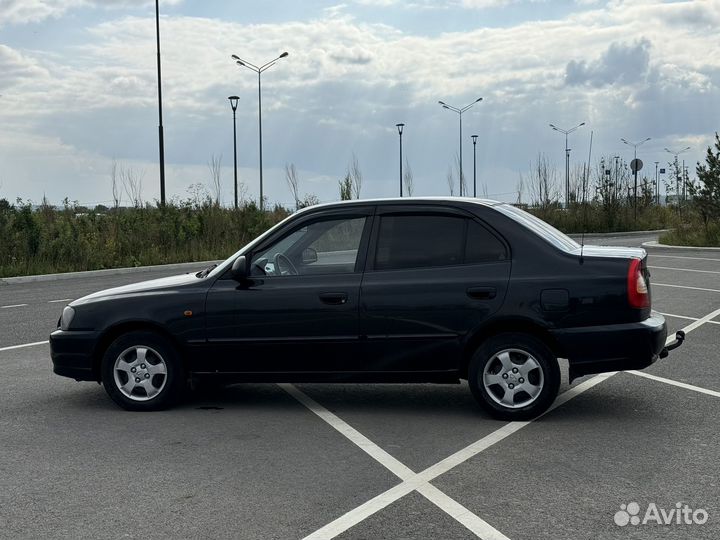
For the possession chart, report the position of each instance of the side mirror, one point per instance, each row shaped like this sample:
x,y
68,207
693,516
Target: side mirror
x,y
239,270
309,256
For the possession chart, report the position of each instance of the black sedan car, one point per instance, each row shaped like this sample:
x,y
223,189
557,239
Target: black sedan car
x,y
393,290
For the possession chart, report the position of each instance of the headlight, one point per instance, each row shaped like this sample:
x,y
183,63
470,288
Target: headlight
x,y
67,317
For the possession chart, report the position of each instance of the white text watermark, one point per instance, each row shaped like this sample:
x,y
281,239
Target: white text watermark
x,y
679,514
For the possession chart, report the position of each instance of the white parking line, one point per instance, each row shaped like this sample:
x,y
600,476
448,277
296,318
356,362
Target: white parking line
x,y
685,269
373,450
683,287
461,514
685,317
61,300
13,306
654,256
676,383
23,345
420,482
464,516
692,326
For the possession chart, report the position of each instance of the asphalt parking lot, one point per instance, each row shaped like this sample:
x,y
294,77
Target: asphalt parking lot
x,y
366,461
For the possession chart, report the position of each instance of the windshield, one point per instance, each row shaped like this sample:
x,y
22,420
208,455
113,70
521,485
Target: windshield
x,y
538,226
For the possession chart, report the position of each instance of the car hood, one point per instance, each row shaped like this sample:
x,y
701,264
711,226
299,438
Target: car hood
x,y
612,251
166,284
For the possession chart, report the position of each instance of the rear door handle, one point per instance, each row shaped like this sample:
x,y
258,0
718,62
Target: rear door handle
x,y
482,293
333,298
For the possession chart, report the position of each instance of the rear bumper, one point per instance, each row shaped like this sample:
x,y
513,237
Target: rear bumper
x,y
72,354
614,347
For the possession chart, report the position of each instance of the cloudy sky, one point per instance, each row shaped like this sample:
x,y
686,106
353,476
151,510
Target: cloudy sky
x,y
78,89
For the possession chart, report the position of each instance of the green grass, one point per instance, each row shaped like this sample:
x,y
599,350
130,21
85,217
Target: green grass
x,y
594,218
689,234
49,240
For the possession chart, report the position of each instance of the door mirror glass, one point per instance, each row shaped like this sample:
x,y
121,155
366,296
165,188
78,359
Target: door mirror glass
x,y
239,269
309,255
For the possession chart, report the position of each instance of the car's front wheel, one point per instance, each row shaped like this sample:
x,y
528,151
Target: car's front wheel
x,y
514,376
141,371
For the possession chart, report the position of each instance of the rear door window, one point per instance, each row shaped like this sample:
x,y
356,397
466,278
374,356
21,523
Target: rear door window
x,y
426,241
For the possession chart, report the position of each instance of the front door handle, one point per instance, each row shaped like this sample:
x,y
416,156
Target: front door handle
x,y
333,298
482,293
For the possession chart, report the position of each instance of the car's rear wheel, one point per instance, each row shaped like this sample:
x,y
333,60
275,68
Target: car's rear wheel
x,y
514,376
141,371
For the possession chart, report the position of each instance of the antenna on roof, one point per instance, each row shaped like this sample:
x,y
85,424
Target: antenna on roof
x,y
586,178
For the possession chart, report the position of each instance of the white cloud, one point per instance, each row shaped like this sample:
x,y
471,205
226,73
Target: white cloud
x,y
15,68
619,64
24,11
484,4
32,11
346,80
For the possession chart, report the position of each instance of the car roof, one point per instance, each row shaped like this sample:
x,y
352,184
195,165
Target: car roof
x,y
405,201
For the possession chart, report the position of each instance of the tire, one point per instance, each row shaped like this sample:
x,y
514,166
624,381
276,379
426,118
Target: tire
x,y
142,371
514,376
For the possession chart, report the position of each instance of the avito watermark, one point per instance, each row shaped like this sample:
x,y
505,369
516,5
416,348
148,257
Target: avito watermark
x,y
681,514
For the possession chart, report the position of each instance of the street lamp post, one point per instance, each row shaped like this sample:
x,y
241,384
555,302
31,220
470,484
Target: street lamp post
x,y
460,112
635,170
474,139
233,104
161,140
400,132
657,185
676,153
566,132
259,70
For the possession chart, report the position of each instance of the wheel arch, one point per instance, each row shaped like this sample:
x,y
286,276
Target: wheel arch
x,y
515,325
116,330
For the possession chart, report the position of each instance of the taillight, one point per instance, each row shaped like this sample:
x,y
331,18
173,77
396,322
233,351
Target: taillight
x,y
637,288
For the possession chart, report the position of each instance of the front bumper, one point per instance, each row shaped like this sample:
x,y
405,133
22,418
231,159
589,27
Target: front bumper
x,y
72,354
615,347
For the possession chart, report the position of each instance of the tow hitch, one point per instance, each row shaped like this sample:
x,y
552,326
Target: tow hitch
x,y
679,338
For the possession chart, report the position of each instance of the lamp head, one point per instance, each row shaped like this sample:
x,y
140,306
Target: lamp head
x,y
234,102
400,128
283,55
474,138
235,57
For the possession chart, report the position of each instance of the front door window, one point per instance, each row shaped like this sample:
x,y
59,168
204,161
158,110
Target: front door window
x,y
328,246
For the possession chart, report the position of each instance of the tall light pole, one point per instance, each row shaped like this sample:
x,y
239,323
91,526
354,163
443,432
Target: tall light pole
x,y
259,70
233,104
400,132
657,185
474,139
460,112
635,169
161,141
676,153
566,132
